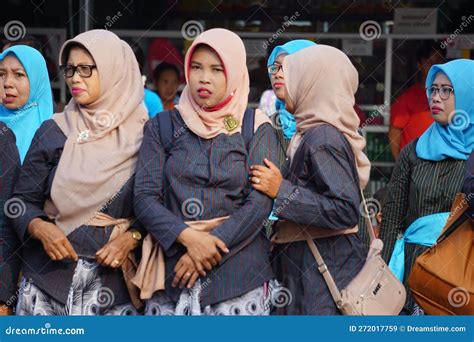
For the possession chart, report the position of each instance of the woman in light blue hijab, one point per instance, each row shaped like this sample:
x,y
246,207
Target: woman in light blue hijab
x,y
454,138
27,98
430,171
285,119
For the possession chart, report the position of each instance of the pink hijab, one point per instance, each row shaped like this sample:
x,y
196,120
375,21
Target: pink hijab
x,y
103,138
321,82
209,122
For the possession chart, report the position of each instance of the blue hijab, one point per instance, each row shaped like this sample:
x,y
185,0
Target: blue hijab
x,y
286,119
26,120
455,140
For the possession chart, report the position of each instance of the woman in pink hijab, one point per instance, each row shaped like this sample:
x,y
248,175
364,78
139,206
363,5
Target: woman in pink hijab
x,y
320,192
206,252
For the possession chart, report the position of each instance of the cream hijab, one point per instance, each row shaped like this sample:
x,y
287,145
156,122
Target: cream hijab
x,y
321,82
103,138
209,122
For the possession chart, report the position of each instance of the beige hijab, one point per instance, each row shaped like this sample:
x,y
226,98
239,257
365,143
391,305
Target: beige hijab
x,y
321,82
208,123
103,138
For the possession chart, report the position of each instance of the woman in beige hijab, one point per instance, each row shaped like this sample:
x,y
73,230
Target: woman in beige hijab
x,y
320,192
75,187
194,198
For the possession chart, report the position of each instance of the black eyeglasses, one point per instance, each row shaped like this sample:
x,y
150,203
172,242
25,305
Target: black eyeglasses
x,y
83,70
444,92
274,68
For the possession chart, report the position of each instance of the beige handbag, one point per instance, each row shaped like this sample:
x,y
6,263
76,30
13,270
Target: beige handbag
x,y
374,291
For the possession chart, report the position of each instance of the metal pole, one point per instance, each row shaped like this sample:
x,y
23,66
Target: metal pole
x,y
85,15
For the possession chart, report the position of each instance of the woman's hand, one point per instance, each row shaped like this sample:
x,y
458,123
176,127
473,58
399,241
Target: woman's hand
x,y
5,310
203,248
266,179
115,252
186,272
54,240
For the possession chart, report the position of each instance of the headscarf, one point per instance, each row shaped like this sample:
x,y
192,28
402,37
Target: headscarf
x,y
456,139
209,122
103,138
321,82
26,120
285,119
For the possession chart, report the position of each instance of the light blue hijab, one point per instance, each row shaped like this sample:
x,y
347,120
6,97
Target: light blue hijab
x,y
26,120
287,120
455,140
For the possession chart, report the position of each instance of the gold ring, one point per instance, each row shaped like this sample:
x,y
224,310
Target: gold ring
x,y
257,180
115,262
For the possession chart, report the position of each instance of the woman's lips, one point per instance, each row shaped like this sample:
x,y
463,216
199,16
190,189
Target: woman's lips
x,y
204,93
9,98
77,91
278,85
436,110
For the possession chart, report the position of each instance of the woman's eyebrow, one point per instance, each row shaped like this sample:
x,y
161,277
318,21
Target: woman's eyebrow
x,y
442,85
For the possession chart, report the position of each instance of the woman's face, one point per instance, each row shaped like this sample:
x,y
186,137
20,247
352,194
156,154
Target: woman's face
x,y
167,85
85,90
14,83
442,107
277,80
207,80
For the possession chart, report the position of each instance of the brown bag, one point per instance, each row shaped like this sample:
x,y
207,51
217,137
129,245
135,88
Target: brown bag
x,y
442,278
374,290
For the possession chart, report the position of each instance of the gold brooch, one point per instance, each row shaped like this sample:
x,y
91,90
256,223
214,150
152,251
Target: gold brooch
x,y
230,123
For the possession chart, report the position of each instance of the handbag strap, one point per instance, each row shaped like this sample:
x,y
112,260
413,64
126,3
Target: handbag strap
x,y
322,267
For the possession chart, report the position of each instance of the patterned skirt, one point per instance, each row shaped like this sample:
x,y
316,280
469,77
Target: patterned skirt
x,y
257,302
86,296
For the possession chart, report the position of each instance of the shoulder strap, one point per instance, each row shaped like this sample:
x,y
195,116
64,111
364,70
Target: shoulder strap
x,y
248,126
166,129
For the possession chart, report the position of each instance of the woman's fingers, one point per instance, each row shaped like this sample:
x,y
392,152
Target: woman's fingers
x,y
70,250
187,275
177,278
270,165
193,279
260,168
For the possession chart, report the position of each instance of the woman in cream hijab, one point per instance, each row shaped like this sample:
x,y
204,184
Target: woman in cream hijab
x,y
320,194
195,200
76,186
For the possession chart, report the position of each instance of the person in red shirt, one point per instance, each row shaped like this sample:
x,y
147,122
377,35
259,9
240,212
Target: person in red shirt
x,y
410,113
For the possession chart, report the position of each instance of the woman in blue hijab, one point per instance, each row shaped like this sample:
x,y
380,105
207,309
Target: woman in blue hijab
x,y
430,171
27,98
283,120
